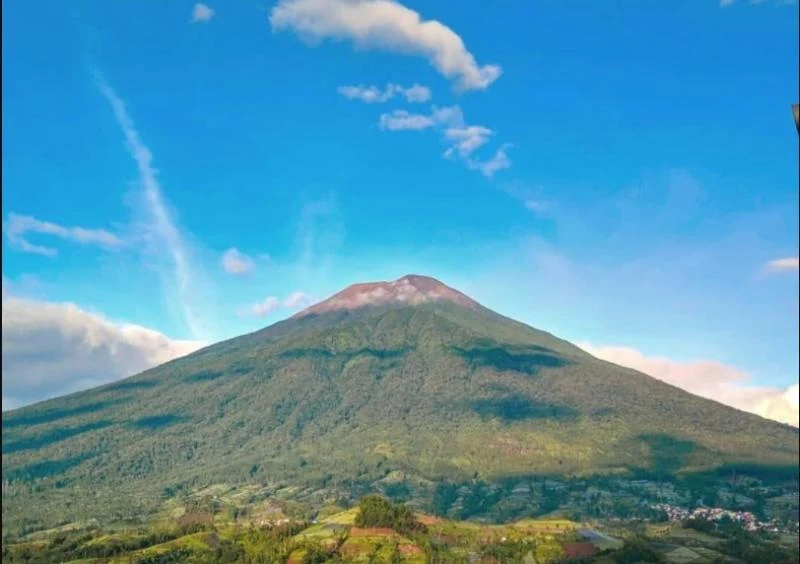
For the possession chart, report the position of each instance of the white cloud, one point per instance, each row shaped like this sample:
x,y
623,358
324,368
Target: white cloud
x,y
417,93
271,304
297,299
51,349
235,262
708,379
265,307
463,139
535,206
373,94
389,26
498,162
368,94
402,120
777,266
163,229
727,3
17,226
201,13
467,139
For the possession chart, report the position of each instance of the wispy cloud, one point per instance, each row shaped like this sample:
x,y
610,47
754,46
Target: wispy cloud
x,y
201,13
463,139
17,226
466,139
536,206
374,95
272,304
235,262
531,196
499,161
727,3
386,25
708,379
162,225
403,120
782,265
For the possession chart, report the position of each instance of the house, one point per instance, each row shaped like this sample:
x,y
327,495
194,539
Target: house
x,y
578,550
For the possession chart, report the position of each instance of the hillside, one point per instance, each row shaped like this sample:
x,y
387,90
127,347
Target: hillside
x,y
409,378
378,530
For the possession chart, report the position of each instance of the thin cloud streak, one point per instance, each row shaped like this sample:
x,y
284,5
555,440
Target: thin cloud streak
x,y
17,226
374,95
782,265
162,222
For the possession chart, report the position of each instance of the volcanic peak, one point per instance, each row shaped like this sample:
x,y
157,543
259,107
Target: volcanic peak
x,y
411,289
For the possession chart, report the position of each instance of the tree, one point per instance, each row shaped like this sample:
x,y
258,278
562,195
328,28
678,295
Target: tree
x,y
376,511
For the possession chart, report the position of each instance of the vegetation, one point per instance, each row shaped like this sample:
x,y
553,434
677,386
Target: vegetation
x,y
376,511
362,535
346,402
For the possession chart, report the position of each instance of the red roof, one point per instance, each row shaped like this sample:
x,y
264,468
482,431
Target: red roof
x,y
579,550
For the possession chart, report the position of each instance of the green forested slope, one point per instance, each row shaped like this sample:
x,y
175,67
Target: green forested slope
x,y
341,399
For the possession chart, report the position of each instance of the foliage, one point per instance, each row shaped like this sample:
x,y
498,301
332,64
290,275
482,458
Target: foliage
x,y
438,393
376,511
637,550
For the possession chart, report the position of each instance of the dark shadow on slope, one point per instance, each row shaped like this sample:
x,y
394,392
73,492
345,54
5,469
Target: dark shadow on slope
x,y
157,421
767,473
668,454
134,385
51,415
526,360
237,368
603,412
520,409
46,468
489,344
382,354
51,437
203,376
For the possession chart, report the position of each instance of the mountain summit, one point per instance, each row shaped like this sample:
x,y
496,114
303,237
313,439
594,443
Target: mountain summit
x,y
407,380
411,289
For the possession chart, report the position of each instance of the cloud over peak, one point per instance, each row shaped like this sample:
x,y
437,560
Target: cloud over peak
x,y
271,304
389,26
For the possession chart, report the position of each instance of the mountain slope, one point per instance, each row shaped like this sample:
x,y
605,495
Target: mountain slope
x,y
407,376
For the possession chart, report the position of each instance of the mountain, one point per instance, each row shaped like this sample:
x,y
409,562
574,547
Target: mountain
x,y
408,379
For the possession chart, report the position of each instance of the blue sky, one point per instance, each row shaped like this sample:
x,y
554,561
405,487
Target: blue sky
x,y
619,173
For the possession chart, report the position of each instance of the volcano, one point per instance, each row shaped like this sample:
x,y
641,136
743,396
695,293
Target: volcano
x,y
406,378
